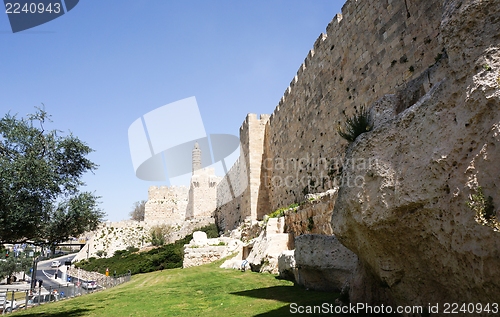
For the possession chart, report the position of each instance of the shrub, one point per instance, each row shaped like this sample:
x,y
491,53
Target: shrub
x,y
132,249
281,211
484,209
310,225
168,256
211,231
356,125
159,234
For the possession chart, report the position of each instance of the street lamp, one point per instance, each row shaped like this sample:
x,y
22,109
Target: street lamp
x,y
33,273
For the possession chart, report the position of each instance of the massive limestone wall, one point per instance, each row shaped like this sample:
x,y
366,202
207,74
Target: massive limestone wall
x,y
202,193
410,221
371,49
238,192
312,216
113,236
166,204
429,73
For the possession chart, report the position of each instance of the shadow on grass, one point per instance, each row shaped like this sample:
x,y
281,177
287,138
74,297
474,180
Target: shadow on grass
x,y
279,293
288,294
75,312
286,311
297,295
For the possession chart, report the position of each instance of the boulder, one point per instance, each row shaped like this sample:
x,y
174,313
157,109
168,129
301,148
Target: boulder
x,y
200,238
408,215
268,246
322,262
286,265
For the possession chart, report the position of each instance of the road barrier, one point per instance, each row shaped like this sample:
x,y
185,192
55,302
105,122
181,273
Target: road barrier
x,y
16,298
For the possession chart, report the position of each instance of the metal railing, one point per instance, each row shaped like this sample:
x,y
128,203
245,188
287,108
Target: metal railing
x,y
12,299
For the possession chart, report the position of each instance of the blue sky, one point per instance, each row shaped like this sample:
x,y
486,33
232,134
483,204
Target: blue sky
x,y
106,63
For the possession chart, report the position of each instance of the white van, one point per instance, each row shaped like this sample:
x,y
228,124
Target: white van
x,y
55,264
89,285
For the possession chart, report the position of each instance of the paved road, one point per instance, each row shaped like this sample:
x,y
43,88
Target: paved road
x,y
46,273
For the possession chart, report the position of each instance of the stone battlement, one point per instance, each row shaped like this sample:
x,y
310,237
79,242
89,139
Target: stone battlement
x,y
389,39
175,204
394,40
166,192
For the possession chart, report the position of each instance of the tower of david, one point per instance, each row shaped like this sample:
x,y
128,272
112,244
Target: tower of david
x,y
175,204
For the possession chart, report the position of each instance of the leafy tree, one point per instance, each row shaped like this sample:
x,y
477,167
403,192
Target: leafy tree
x,y
160,234
12,265
138,212
41,174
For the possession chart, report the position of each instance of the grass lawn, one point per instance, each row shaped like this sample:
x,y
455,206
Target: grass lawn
x,y
198,291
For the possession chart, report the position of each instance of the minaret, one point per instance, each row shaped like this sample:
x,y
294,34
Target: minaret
x,y
196,157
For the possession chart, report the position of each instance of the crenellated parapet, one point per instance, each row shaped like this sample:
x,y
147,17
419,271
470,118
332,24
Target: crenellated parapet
x,y
392,40
175,204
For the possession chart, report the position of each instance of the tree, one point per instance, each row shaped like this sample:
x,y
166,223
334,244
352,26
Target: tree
x,y
138,212
40,173
12,265
159,234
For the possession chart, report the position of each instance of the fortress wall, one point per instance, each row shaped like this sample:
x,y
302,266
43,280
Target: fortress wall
x,y
237,193
228,213
368,51
253,155
202,193
166,204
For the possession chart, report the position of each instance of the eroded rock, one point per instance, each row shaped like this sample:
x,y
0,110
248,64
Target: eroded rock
x,y
407,216
322,262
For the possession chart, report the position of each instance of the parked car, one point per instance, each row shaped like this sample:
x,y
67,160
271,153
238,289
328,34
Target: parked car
x,y
43,298
8,306
89,284
55,264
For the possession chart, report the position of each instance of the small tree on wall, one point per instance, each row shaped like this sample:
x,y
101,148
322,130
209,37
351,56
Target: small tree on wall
x,y
138,212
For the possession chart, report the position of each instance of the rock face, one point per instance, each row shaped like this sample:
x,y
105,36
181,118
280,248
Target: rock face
x,y
286,265
201,250
407,214
268,246
313,216
322,262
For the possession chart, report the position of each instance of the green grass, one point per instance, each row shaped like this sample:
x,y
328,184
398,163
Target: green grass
x,y
197,291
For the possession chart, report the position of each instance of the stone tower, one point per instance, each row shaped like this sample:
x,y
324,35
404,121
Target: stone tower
x,y
203,189
196,157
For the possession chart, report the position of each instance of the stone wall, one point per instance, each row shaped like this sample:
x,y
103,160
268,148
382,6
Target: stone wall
x,y
395,40
113,236
238,192
166,204
313,216
201,250
202,193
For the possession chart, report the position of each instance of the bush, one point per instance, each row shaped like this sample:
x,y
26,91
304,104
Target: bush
x,y
484,209
356,125
165,257
160,234
281,211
